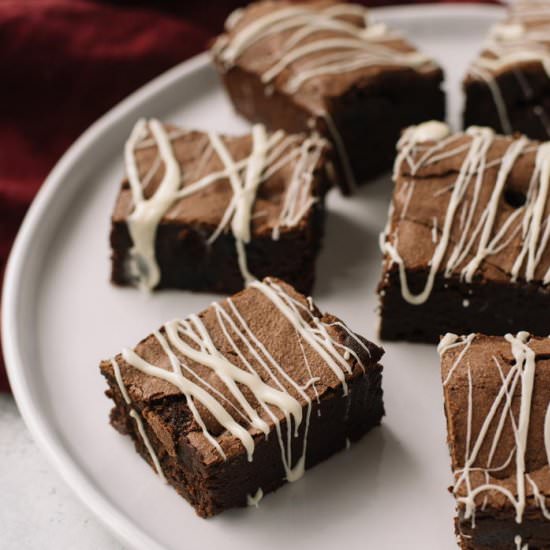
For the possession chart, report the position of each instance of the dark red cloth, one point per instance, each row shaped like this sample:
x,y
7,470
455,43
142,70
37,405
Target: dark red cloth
x,y
63,63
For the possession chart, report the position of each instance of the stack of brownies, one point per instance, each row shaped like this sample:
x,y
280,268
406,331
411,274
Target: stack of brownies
x,y
231,403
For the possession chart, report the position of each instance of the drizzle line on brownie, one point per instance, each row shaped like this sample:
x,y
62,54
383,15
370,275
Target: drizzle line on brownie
x,y
478,238
139,423
353,47
350,47
518,381
254,500
189,339
519,543
511,43
269,153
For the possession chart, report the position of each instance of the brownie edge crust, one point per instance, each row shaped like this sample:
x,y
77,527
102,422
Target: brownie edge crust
x,y
497,404
466,247
203,211
232,403
325,65
507,87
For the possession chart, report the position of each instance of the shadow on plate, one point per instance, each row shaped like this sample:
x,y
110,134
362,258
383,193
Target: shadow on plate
x,y
351,256
345,486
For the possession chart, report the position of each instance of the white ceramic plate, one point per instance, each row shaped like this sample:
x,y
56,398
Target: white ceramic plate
x,y
61,316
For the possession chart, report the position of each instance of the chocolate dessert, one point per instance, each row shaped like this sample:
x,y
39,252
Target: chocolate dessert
x,y
466,248
232,403
206,212
497,403
508,86
326,65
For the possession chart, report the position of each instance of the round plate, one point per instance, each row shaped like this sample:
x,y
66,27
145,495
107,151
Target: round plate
x,y
61,316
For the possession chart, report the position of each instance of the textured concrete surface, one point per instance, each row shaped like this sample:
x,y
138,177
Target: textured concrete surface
x,y
37,509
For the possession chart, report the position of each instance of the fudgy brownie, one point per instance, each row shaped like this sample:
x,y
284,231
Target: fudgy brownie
x,y
230,404
508,85
497,403
207,212
466,247
324,65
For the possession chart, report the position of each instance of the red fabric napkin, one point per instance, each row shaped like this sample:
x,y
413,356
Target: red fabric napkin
x,y
63,63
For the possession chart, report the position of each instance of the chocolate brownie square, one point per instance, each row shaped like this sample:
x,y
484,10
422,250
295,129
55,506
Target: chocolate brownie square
x,y
206,212
497,403
231,403
508,85
325,65
466,247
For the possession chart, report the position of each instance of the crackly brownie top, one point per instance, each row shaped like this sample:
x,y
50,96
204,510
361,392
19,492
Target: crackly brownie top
x,y
253,185
473,205
241,367
497,402
314,51
519,46
522,38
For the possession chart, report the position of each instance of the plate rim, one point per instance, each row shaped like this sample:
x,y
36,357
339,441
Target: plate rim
x,y
117,521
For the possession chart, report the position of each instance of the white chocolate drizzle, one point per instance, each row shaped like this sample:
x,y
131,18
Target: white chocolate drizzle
x,y
319,43
269,154
254,500
349,46
186,342
341,151
516,385
511,44
139,423
147,213
519,543
233,18
480,236
547,434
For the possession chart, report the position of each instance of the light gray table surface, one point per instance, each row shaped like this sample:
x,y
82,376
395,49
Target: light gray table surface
x,y
37,509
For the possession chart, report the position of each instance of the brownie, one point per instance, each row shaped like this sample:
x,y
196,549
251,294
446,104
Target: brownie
x,y
230,404
466,245
508,86
497,403
207,212
324,65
